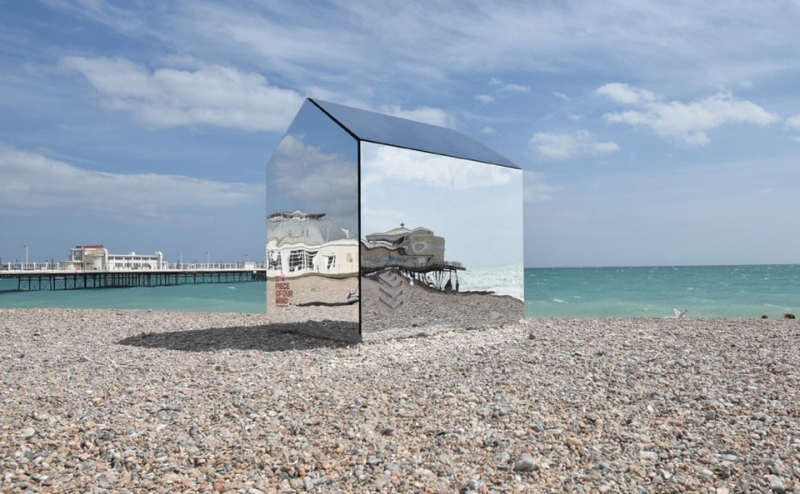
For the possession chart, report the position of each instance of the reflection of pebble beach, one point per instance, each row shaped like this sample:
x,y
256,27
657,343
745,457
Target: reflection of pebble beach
x,y
310,290
331,321
167,401
424,307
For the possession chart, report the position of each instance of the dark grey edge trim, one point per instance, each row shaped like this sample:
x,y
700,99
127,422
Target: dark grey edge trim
x,y
340,124
360,292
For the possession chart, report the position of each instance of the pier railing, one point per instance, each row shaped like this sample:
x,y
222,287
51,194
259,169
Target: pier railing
x,y
54,266
29,279
29,266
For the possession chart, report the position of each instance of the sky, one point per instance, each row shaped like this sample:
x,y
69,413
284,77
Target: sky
x,y
650,132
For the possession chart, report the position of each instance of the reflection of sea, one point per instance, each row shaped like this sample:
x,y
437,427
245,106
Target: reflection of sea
x,y
503,280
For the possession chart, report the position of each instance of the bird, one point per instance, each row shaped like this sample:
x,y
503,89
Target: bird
x,y
679,314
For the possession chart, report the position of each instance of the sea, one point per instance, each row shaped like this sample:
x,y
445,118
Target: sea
x,y
702,291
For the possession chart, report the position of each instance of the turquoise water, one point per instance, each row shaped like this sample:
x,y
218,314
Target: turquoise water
x,y
704,291
211,297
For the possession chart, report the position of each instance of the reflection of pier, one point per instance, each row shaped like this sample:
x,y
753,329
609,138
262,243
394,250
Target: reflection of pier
x,y
442,276
75,280
417,254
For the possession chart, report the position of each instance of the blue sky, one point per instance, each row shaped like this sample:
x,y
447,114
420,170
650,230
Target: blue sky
x,y
651,133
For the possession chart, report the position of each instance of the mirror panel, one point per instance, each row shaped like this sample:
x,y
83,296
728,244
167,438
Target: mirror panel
x,y
441,241
312,229
399,132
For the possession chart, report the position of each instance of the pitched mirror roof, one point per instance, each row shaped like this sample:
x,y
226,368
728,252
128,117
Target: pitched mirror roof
x,y
393,131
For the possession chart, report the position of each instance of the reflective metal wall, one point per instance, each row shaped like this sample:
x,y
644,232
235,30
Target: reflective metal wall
x,y
375,224
441,241
312,228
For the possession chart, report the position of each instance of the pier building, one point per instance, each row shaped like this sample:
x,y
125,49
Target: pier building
x,y
97,258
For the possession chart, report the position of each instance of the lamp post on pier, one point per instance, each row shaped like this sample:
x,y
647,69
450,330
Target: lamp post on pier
x,y
26,256
180,259
208,260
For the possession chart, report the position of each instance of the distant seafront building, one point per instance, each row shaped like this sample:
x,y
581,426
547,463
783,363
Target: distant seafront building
x,y
301,243
97,258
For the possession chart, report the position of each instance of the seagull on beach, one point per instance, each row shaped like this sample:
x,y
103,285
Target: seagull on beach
x,y
679,314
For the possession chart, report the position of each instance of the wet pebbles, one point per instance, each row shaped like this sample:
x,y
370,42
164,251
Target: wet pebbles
x,y
134,401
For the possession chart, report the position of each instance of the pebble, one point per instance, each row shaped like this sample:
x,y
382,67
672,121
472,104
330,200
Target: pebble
x,y
138,401
648,455
525,463
776,484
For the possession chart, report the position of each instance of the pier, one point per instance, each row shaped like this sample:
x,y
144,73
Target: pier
x,y
45,277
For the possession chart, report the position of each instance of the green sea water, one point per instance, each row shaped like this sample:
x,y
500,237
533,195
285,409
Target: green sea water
x,y
704,291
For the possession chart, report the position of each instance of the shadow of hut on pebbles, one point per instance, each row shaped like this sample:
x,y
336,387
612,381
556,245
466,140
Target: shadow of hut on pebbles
x,y
268,338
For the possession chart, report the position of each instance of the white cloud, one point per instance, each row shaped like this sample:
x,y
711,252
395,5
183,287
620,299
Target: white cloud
x,y
36,184
309,43
623,93
205,95
123,20
514,88
686,123
381,163
560,95
484,98
562,146
425,114
380,42
535,188
487,130
793,122
508,88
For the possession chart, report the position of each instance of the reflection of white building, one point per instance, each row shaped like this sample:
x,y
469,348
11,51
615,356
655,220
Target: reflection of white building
x,y
301,243
402,247
97,258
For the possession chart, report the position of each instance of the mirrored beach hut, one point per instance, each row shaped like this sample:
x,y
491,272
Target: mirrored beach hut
x,y
377,223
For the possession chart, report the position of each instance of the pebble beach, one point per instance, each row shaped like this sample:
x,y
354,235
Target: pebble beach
x,y
141,401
